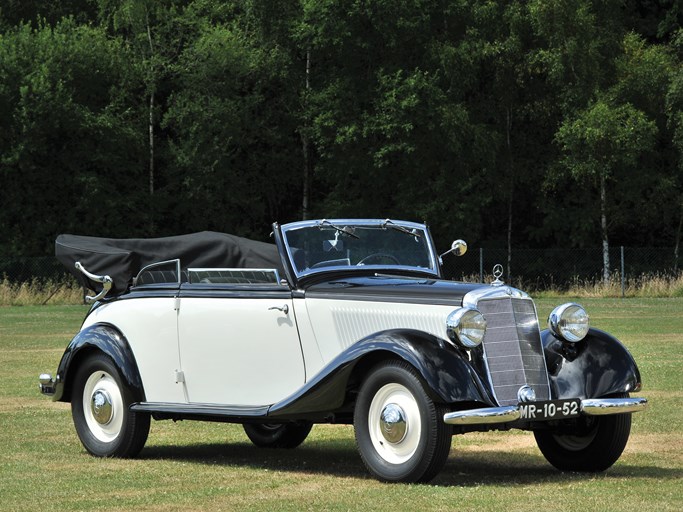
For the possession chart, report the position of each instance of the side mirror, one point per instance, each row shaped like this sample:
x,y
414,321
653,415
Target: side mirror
x,y
458,247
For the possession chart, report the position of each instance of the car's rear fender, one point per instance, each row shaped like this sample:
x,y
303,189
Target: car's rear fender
x,y
103,338
597,366
449,375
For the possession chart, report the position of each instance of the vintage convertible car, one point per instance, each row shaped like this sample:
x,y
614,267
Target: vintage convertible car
x,y
340,321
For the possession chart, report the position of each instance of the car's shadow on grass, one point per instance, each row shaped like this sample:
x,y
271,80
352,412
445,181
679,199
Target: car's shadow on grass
x,y
468,469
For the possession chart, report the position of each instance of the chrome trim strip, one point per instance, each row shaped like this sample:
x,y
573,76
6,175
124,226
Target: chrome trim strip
x,y
483,416
604,406
589,407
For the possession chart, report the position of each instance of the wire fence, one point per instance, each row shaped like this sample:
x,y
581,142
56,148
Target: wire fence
x,y
537,269
23,269
542,269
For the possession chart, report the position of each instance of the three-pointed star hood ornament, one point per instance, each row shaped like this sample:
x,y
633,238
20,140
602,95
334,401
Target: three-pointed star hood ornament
x,y
497,274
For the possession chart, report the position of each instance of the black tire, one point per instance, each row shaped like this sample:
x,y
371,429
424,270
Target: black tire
x,y
400,432
594,446
277,435
100,408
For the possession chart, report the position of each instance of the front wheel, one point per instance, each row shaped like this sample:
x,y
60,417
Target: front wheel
x,y
596,443
400,431
277,435
100,408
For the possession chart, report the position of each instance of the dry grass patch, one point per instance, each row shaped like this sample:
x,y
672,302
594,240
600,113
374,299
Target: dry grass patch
x,y
666,444
494,442
40,292
644,285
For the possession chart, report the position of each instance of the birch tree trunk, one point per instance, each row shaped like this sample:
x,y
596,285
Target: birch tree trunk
x,y
305,142
603,225
511,185
151,143
152,86
678,237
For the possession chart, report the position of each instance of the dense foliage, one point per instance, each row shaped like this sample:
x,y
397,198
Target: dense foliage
x,y
524,123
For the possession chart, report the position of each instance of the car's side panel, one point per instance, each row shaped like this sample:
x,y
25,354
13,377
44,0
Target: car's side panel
x,y
150,326
447,371
102,338
239,351
313,358
338,324
597,366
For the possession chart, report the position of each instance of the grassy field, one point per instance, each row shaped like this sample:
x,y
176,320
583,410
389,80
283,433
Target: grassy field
x,y
201,466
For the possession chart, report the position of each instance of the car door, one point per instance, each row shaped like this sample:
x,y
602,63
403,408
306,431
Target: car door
x,y
238,345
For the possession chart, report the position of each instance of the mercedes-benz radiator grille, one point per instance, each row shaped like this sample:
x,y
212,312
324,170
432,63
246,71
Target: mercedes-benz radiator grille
x,y
512,348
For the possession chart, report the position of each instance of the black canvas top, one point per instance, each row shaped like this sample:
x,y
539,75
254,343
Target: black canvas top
x,y
122,259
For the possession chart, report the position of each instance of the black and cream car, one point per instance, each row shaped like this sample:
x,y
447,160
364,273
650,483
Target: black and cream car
x,y
340,321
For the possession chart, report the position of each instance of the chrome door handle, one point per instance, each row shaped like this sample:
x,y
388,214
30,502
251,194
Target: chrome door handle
x,y
284,309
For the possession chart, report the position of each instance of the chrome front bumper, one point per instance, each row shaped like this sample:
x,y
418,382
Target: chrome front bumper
x,y
509,414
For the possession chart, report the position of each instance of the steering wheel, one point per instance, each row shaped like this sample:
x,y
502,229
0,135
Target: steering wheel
x,y
379,255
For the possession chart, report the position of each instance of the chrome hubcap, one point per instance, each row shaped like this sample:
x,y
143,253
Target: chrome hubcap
x,y
101,407
393,424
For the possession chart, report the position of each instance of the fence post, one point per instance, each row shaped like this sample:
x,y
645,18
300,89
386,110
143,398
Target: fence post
x,y
623,274
481,264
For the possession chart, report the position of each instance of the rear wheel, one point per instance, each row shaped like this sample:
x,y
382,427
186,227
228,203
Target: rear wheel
x,y
277,435
100,408
400,431
595,444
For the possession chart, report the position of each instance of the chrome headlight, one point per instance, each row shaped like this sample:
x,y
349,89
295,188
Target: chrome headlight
x,y
569,322
466,326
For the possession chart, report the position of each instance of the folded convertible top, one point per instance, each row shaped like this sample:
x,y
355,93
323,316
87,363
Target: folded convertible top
x,y
123,258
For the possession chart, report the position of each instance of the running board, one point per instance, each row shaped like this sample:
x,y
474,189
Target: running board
x,y
201,411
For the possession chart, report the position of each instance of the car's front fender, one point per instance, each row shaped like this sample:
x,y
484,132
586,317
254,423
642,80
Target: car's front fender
x,y
103,338
449,375
597,366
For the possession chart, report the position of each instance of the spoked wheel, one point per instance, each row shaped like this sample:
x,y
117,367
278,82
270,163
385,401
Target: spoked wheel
x,y
277,435
400,431
100,409
595,445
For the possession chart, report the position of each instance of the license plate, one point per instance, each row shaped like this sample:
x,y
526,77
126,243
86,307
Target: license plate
x,y
550,410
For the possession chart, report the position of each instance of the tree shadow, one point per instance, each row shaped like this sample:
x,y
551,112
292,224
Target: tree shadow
x,y
468,469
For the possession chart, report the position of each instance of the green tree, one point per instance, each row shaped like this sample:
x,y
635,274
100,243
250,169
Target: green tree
x,y
642,78
674,110
388,127
599,144
153,32
232,132
64,120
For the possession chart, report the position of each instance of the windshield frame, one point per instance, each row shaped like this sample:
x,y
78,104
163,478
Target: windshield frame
x,y
433,270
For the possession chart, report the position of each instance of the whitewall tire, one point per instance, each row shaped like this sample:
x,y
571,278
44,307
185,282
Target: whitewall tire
x,y
400,431
100,404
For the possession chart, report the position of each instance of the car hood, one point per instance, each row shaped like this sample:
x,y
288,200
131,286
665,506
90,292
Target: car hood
x,y
394,289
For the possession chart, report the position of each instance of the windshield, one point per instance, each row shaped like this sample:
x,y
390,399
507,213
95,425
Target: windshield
x,y
318,245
